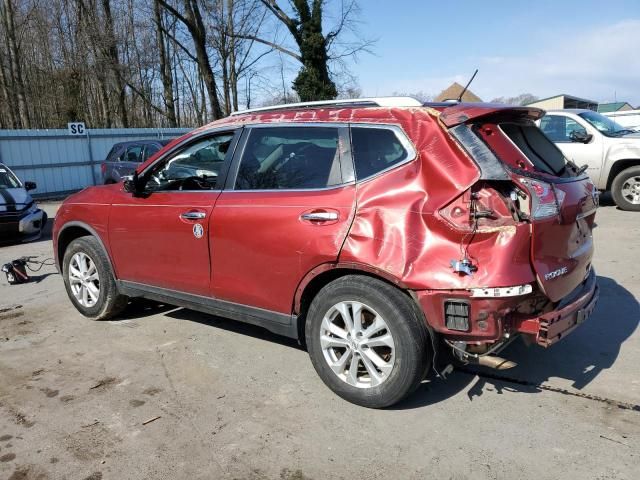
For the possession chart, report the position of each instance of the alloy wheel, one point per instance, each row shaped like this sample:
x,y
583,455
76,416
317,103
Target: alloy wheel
x,y
631,190
357,344
84,279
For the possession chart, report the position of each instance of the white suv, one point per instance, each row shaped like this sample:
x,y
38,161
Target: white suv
x,y
610,152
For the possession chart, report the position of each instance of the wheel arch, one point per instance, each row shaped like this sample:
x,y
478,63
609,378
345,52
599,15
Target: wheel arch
x,y
618,167
323,274
69,232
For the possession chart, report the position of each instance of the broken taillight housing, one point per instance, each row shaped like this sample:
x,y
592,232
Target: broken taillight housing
x,y
545,200
481,207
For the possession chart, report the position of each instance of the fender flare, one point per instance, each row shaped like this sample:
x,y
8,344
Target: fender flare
x,y
325,267
92,231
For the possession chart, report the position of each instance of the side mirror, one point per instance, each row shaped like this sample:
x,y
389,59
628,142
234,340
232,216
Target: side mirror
x,y
30,185
132,184
580,137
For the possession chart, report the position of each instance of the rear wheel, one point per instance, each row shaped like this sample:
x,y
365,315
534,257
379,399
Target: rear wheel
x,y
625,189
89,281
366,341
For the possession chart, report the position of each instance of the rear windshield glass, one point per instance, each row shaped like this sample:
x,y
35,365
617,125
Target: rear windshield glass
x,y
540,151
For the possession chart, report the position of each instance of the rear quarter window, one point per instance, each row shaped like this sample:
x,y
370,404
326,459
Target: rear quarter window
x,y
376,149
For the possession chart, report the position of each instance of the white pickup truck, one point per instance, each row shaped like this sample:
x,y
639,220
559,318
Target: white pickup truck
x,y
610,152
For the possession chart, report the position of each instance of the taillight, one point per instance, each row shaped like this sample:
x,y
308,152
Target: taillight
x,y
545,200
103,168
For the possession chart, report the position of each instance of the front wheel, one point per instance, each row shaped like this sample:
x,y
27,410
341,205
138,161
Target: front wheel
x,y
625,189
366,341
89,281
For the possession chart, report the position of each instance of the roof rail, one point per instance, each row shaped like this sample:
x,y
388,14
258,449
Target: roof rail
x,y
350,102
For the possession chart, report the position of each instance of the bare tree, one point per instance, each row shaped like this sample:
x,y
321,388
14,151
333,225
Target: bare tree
x,y
192,19
7,13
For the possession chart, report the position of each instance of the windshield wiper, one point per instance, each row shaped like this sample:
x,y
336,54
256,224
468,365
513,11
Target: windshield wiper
x,y
624,131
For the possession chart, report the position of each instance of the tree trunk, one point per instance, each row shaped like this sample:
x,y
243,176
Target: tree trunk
x,y
198,33
14,63
165,67
8,101
112,52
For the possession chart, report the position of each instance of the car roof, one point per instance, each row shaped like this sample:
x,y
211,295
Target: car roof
x,y
141,142
570,110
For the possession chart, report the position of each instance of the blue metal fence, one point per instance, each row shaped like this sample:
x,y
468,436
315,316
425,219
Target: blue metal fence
x,y
59,162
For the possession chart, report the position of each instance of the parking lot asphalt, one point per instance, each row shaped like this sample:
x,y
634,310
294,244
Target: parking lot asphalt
x,y
170,393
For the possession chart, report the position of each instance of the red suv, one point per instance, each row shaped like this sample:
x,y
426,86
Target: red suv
x,y
375,231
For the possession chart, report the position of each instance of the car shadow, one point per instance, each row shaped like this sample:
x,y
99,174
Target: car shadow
x,y
141,307
234,326
579,358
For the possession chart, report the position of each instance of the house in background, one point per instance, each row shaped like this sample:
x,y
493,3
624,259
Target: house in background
x,y
614,107
453,93
564,101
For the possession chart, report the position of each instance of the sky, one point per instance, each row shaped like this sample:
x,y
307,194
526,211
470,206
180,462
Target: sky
x,y
589,49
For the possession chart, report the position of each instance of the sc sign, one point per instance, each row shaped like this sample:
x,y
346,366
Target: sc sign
x,y
76,128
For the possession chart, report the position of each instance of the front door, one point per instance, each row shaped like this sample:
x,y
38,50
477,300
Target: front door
x,y
161,236
288,210
561,130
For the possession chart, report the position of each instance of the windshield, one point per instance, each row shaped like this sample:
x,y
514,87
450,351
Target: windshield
x,y
604,124
8,179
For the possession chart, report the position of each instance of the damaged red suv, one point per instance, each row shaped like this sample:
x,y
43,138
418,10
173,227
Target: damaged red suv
x,y
376,231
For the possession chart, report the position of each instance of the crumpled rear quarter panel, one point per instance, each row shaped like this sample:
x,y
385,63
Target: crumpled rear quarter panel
x,y
398,228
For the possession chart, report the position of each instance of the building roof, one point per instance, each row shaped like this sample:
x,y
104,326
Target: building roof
x,y
572,97
613,107
454,91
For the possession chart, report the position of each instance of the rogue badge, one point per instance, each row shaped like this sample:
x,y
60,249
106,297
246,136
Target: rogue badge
x,y
198,230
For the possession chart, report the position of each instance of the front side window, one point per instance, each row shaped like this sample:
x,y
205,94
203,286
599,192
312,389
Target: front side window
x,y
196,167
375,149
277,158
561,129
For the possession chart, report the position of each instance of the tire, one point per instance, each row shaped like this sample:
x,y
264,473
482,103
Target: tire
x,y
402,360
78,274
626,183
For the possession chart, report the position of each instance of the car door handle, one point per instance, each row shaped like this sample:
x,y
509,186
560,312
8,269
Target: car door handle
x,y
193,215
319,216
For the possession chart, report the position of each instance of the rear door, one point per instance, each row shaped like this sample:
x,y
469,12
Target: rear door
x,y
287,208
127,162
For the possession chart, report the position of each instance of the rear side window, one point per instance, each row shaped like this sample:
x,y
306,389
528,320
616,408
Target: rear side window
x,y
538,149
134,154
277,158
376,149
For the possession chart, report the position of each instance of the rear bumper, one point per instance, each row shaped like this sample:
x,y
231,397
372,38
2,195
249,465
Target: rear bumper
x,y
571,312
489,319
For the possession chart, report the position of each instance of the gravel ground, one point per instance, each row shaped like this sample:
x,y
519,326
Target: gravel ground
x,y
171,393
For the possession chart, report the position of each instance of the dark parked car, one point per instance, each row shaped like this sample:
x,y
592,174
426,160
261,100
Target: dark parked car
x,y
378,232
125,157
20,217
